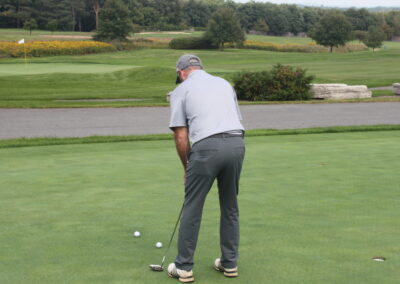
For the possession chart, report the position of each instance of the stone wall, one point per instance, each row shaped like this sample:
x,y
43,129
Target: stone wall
x,y
396,88
339,91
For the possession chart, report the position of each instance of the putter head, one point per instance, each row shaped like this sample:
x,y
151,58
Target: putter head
x,y
156,267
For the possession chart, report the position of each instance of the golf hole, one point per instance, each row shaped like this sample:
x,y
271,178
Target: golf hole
x,y
379,258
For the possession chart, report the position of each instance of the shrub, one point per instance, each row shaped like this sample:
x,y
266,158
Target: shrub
x,y
191,43
290,83
252,86
282,83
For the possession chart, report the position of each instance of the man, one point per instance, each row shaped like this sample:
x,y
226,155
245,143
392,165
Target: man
x,y
205,118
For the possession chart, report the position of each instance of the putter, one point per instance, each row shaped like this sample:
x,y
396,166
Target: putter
x,y
157,267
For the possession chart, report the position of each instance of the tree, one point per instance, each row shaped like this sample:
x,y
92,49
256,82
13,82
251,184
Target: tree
x,y
52,25
388,30
96,6
261,26
17,11
374,38
332,30
196,13
136,13
393,20
295,18
54,9
151,17
249,13
77,11
30,25
360,35
277,21
171,12
311,18
115,22
360,19
224,27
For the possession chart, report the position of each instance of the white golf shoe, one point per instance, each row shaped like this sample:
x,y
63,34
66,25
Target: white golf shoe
x,y
228,272
182,275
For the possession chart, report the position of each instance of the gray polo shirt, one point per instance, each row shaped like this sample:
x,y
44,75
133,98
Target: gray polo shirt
x,y
206,104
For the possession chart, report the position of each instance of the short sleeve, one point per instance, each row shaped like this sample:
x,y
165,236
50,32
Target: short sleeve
x,y
178,113
237,104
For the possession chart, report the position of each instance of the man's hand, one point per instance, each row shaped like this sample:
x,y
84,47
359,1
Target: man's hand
x,y
182,144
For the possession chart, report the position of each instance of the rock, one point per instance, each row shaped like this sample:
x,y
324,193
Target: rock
x,y
339,91
168,98
396,88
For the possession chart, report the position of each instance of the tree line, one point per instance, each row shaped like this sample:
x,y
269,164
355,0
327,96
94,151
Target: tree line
x,y
267,18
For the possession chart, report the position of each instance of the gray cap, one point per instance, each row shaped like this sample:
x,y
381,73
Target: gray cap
x,y
188,60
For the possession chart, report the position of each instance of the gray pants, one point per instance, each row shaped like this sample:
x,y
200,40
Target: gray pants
x,y
209,159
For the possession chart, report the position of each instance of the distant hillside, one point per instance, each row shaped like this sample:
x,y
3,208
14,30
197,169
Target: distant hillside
x,y
383,9
373,9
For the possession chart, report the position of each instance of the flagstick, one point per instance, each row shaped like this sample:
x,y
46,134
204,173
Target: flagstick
x,y
25,55
22,41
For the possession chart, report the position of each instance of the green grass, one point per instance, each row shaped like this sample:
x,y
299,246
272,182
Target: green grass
x,y
149,73
314,209
17,34
60,68
28,142
381,93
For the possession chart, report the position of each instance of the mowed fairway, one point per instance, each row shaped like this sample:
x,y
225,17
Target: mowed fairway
x,y
314,209
148,74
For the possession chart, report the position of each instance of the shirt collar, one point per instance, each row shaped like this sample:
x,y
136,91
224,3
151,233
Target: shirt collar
x,y
200,71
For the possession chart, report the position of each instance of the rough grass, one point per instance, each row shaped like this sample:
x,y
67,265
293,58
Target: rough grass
x,y
314,209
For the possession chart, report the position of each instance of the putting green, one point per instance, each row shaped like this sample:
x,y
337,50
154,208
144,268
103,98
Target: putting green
x,y
314,209
12,69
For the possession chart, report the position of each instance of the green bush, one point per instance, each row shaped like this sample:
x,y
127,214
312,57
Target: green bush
x,y
252,86
282,83
191,43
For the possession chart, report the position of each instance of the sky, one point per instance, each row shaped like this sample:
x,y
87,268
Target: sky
x,y
335,3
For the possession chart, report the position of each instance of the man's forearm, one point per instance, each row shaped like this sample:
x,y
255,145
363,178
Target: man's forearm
x,y
182,144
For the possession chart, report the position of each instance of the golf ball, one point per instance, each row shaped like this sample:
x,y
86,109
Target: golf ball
x,y
159,245
136,234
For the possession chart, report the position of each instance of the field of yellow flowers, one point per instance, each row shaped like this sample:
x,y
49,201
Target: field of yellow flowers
x,y
49,48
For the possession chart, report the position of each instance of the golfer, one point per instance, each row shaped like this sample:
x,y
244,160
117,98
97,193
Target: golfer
x,y
205,118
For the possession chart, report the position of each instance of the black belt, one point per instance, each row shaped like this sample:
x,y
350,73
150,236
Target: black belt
x,y
225,135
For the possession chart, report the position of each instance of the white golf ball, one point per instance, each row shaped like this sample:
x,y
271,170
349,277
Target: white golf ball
x,y
159,245
136,234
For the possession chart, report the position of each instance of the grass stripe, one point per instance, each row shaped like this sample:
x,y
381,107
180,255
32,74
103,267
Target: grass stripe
x,y
30,142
